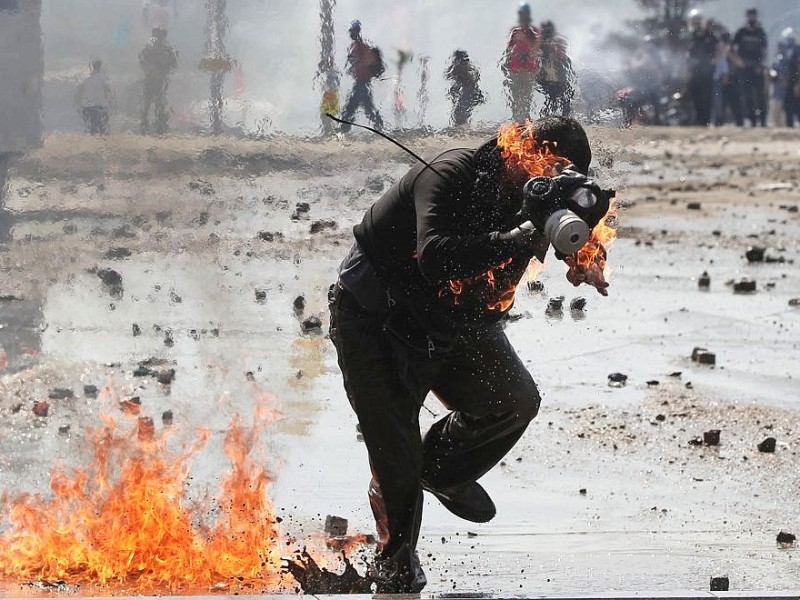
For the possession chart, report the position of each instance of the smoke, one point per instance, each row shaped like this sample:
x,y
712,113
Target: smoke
x,y
276,46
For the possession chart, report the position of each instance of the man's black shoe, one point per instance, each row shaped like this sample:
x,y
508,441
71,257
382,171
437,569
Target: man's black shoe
x,y
468,501
399,574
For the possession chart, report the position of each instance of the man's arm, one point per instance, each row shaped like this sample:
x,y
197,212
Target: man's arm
x,y
444,253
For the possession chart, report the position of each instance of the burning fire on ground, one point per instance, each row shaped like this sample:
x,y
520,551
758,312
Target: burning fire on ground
x,y
125,523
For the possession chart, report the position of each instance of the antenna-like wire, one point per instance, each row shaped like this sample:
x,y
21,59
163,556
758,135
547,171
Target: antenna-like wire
x,y
383,135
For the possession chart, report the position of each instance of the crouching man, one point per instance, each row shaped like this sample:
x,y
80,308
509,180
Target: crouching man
x,y
416,308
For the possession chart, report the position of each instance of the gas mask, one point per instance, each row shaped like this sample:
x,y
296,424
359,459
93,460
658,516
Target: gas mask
x,y
566,208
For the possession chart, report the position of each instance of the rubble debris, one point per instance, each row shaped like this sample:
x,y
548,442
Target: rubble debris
x,y
41,408
63,429
706,358
617,379
676,374
270,236
652,383
166,377
311,325
794,302
696,441
786,539
768,445
301,211
61,394
322,225
202,219
720,584
90,391
744,286
335,526
299,305
535,286
582,491
166,418
703,356
141,371
16,408
169,342
555,303
136,329
375,184
174,298
113,282
131,406
755,254
204,187
316,580
704,282
146,429
577,303
693,206
711,437
261,296
117,254
660,418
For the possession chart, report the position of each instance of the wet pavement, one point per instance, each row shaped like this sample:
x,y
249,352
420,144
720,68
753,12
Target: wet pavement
x,y
203,290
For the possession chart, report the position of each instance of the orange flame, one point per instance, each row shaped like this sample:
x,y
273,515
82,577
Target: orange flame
x,y
521,149
133,532
603,234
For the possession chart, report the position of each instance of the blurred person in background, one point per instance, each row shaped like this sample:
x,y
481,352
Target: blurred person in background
x,y
702,52
158,60
726,87
645,72
364,63
750,45
464,92
784,109
521,62
556,78
95,100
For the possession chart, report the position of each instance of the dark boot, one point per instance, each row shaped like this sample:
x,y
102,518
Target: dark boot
x,y
401,573
468,501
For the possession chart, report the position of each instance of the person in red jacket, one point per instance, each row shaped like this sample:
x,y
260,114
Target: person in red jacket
x,y
521,63
364,63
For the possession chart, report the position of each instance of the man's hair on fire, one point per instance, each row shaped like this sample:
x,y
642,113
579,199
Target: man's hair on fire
x,y
568,137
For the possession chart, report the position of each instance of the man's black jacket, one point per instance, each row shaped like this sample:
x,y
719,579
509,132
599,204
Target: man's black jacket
x,y
433,239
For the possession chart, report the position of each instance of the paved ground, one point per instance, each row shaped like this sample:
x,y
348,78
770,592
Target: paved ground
x,y
210,262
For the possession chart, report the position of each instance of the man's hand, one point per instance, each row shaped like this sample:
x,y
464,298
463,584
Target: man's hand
x,y
591,274
526,238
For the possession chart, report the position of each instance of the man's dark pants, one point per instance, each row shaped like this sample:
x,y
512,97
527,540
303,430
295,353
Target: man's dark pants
x,y
701,89
482,381
361,95
754,94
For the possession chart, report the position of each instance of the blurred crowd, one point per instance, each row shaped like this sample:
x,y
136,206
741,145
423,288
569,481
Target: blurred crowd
x,y
700,74
536,59
712,76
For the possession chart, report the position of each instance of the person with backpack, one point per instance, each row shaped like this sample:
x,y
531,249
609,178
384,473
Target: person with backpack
x,y
364,63
556,78
521,63
464,91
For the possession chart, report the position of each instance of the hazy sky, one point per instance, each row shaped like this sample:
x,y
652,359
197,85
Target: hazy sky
x,y
275,42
